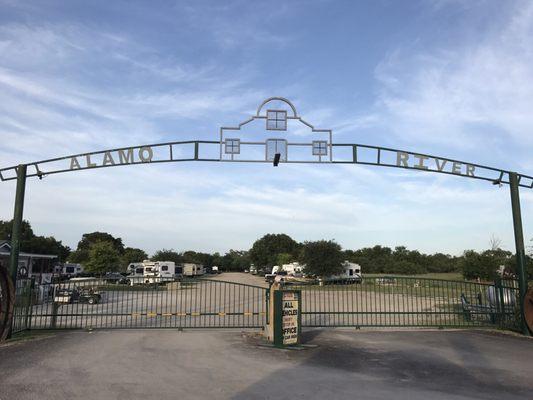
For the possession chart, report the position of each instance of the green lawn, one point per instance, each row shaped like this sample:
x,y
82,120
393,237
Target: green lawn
x,y
450,276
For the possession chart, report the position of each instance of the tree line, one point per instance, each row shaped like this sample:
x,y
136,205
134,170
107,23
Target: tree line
x,y
101,252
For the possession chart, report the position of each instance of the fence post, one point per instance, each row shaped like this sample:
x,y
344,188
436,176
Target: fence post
x,y
267,304
29,309
520,249
500,302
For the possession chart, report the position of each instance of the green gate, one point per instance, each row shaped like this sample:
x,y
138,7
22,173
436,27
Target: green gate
x,y
188,303
399,301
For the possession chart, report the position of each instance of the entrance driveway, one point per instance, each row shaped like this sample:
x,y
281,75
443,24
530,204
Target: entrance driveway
x,y
346,364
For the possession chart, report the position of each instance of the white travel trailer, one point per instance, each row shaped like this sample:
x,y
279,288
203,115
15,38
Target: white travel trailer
x,y
190,269
292,269
159,271
352,272
71,270
136,273
152,272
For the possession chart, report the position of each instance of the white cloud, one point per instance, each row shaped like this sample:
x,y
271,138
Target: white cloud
x,y
467,94
50,107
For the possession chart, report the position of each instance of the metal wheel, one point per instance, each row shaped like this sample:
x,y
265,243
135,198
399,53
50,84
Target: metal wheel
x,y
528,309
7,302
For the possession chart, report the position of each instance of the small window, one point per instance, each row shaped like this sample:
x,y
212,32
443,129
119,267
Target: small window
x,y
320,148
164,268
233,146
139,270
276,120
351,272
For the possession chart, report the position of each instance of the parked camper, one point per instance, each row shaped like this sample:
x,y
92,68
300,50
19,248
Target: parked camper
x,y
70,270
136,273
351,274
190,269
292,269
159,271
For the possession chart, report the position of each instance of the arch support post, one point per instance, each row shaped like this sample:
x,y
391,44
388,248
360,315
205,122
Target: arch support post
x,y
520,249
17,225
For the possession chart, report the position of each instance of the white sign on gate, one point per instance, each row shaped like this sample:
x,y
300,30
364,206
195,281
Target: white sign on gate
x,y
290,313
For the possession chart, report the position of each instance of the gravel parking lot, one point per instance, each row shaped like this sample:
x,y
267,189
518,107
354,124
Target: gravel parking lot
x,y
228,364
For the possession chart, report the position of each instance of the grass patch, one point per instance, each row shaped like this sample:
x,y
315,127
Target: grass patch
x,y
450,276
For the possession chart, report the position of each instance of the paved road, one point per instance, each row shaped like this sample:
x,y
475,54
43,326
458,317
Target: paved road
x,y
167,364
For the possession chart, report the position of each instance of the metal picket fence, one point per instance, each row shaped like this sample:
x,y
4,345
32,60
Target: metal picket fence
x,y
188,303
23,305
399,301
375,301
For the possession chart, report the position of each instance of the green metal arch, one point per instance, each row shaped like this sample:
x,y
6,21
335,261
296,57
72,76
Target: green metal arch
x,y
375,156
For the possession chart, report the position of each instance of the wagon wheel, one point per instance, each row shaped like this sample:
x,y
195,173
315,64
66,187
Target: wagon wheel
x,y
528,309
7,302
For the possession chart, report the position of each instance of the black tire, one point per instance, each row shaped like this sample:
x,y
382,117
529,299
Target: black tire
x,y
91,300
7,303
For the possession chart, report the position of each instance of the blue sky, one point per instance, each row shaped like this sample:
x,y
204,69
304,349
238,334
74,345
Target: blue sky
x,y
446,77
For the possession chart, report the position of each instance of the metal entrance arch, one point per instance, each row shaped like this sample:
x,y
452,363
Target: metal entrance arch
x,y
304,144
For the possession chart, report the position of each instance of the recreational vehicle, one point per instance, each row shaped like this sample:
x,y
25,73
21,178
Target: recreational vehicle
x,y
136,273
190,269
292,269
350,274
70,270
153,272
159,271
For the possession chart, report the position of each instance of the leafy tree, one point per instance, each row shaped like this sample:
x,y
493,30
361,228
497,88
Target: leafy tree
x,y
265,251
405,267
484,265
81,255
90,238
31,243
167,255
285,258
6,228
132,255
322,258
235,260
103,257
216,259
377,259
198,258
439,262
46,245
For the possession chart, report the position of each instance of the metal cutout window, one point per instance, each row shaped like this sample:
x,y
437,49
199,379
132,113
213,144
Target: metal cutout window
x,y
276,120
320,148
233,146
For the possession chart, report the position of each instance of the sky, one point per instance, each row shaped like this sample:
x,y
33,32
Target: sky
x,y
446,77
